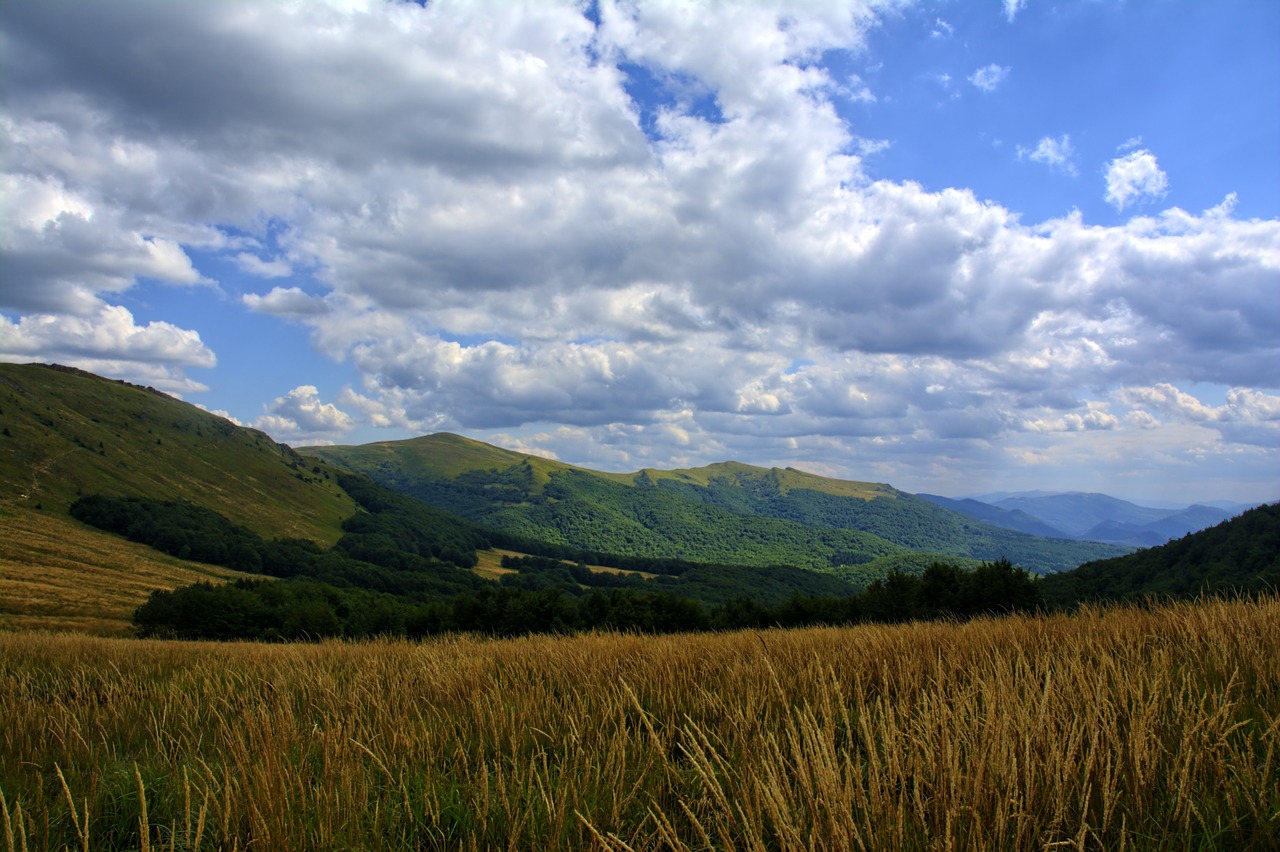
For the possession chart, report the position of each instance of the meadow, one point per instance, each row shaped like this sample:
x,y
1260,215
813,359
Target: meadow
x,y
1146,727
58,574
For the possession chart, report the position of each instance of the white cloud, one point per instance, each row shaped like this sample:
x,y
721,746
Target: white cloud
x,y
254,265
286,302
989,77
110,343
1094,417
1136,176
497,237
1056,153
111,333
300,417
1248,416
1012,7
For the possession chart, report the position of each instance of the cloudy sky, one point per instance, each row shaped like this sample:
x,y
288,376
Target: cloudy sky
x,y
955,246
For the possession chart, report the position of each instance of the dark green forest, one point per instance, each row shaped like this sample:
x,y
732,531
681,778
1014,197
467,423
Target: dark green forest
x,y
1241,555
748,518
303,609
402,568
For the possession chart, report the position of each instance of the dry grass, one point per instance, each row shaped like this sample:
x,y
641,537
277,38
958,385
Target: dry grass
x,y
489,565
1105,730
58,574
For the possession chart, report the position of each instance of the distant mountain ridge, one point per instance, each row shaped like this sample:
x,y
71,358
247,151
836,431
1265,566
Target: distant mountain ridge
x,y
724,512
1090,516
715,532
1237,555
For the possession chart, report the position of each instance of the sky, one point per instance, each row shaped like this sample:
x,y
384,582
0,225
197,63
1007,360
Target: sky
x,y
958,247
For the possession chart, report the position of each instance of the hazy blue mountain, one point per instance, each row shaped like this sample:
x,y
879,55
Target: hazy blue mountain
x,y
1241,554
1015,519
1097,517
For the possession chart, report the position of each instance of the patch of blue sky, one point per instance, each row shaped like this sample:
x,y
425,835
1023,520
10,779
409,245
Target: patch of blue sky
x,y
472,340
654,93
797,365
259,356
1194,86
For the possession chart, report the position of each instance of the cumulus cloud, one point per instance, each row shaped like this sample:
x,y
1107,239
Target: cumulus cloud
x,y
286,302
989,77
498,236
1012,7
300,417
110,333
60,249
109,342
273,268
1135,176
1090,419
1056,153
1247,416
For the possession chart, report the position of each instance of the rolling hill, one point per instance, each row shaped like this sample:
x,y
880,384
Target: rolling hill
x,y
713,534
78,451
66,433
727,512
1240,554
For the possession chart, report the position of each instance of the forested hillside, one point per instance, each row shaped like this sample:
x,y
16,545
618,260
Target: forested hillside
x,y
1239,555
720,513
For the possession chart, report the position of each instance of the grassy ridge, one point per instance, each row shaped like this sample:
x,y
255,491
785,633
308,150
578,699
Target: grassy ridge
x,y
66,433
728,512
1149,728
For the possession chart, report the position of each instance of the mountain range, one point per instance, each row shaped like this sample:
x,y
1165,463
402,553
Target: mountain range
x,y
1089,516
434,515
725,512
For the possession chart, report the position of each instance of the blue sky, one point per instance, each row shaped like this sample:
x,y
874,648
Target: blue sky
x,y
959,247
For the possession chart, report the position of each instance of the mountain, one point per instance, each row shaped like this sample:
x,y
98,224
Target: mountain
x,y
1173,525
65,433
110,491
1092,517
1240,554
726,512
1076,513
1010,519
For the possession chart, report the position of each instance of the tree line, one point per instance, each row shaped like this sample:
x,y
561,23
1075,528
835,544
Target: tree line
x,y
303,608
402,568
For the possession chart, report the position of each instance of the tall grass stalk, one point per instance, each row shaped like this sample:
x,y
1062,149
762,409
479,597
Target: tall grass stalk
x,y
1142,728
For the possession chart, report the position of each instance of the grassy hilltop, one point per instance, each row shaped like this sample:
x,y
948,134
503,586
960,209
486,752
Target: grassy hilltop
x,y
66,433
727,512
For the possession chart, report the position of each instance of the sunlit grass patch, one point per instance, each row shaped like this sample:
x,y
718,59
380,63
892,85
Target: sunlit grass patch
x,y
58,574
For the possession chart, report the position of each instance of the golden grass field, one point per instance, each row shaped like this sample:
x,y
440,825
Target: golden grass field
x,y
1141,728
58,574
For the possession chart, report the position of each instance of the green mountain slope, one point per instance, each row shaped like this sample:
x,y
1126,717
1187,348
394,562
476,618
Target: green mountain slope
x,y
66,433
727,512
1241,554
87,462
